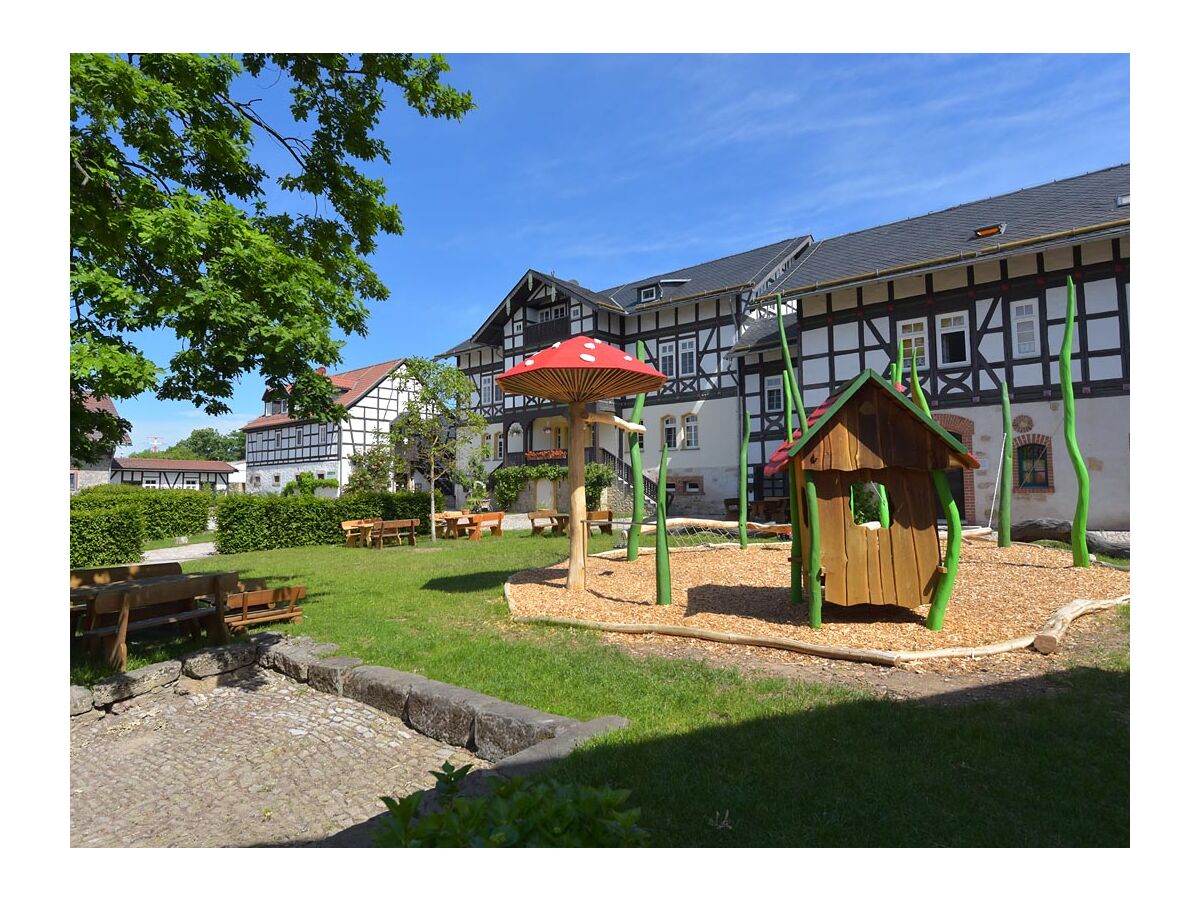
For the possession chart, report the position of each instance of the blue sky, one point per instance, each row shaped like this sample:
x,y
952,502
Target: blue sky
x,y
609,168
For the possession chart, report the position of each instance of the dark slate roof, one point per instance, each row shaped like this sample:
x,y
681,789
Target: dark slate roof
x,y
602,301
736,271
1079,202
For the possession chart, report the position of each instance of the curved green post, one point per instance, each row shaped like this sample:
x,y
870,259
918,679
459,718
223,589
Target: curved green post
x,y
635,462
1079,550
662,560
797,587
1004,525
941,484
743,537
895,369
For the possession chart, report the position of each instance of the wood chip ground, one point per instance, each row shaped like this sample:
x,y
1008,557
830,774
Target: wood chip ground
x,y
1000,594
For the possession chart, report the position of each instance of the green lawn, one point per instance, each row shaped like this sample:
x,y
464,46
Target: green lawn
x,y
197,538
1102,557
715,758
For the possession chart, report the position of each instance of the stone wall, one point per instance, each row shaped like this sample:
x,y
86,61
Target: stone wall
x,y
518,738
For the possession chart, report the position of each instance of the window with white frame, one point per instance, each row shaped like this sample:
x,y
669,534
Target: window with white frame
x,y
499,445
575,312
1025,329
952,339
553,312
518,326
774,393
912,338
670,431
687,357
646,293
691,432
149,482
666,359
485,391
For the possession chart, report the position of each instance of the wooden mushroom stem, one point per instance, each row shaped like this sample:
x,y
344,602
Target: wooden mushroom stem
x,y
578,530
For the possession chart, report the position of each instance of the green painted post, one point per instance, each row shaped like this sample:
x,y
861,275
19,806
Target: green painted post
x,y
797,587
743,537
941,484
635,462
1079,550
662,560
814,552
896,370
1004,526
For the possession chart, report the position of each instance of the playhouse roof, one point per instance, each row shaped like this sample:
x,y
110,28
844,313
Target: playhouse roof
x,y
828,410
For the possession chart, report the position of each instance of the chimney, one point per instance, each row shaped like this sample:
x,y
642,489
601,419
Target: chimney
x,y
321,371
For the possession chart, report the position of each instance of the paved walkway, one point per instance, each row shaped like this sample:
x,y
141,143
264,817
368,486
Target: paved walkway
x,y
180,552
262,760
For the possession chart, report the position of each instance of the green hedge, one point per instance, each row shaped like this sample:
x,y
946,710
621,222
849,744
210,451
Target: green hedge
x,y
167,513
107,535
266,522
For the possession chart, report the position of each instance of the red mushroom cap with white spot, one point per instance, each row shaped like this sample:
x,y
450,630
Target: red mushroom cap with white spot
x,y
581,370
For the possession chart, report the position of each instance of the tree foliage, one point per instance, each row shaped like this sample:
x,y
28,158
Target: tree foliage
x,y
439,423
170,226
305,484
374,469
203,443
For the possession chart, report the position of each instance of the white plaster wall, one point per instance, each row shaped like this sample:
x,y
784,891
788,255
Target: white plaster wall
x,y
1102,427
333,468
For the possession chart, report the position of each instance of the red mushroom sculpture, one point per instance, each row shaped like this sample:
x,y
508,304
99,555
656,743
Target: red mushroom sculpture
x,y
576,372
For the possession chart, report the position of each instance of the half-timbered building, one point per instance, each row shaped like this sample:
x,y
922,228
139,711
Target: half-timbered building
x,y
278,446
188,474
977,290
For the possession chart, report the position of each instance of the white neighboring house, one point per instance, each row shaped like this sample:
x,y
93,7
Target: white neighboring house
x,y
190,474
278,446
237,481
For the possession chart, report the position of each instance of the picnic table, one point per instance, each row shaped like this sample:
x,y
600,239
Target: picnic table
x,y
449,523
110,611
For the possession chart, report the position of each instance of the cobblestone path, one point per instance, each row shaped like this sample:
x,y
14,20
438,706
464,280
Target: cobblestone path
x,y
261,760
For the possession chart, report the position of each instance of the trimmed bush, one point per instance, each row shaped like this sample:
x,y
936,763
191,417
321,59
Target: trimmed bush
x,y
250,522
166,513
107,535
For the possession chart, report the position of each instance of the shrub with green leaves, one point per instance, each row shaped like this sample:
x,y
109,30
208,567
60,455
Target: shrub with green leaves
x,y
251,522
509,481
167,513
107,535
306,484
516,813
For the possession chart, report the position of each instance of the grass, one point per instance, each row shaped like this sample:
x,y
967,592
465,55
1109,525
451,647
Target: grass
x,y
198,537
717,758
1120,561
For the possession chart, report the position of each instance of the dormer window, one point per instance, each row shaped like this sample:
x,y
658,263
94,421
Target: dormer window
x,y
646,293
553,312
276,407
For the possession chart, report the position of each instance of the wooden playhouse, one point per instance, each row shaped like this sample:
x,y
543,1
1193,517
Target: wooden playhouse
x,y
867,431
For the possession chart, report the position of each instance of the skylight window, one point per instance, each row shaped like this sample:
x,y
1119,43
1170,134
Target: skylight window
x,y
995,230
1123,200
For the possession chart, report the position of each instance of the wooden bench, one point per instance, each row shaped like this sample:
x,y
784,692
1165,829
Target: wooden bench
x,y
600,518
398,530
85,578
548,518
115,609
252,607
477,522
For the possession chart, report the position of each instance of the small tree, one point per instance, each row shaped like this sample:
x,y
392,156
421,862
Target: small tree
x,y
438,422
372,469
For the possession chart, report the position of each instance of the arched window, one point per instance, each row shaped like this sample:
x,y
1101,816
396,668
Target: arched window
x,y
1033,469
670,432
691,432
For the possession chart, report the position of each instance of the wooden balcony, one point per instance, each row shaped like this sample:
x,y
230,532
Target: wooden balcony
x,y
543,333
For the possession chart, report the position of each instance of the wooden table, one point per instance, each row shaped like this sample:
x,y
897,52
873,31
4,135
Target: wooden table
x,y
452,524
774,509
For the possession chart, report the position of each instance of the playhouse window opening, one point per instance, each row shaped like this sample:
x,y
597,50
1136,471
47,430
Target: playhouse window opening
x,y
864,502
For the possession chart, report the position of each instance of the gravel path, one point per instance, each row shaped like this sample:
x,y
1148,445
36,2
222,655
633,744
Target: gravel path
x,y
180,552
260,761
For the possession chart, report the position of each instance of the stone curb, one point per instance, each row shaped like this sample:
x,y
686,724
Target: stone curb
x,y
519,739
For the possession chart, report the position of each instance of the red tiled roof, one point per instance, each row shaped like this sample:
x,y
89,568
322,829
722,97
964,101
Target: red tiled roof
x,y
103,404
354,383
172,465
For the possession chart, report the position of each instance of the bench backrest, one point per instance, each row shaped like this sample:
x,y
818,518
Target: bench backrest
x,y
109,574
153,593
401,523
485,517
600,515
250,599
543,514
